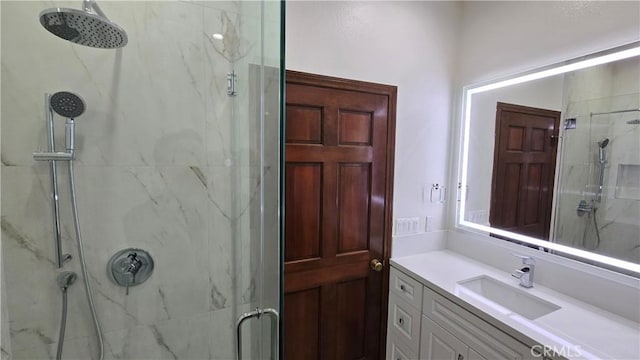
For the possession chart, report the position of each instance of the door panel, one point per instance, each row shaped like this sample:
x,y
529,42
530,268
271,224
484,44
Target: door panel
x,y
354,192
303,198
351,302
339,161
308,124
302,314
355,128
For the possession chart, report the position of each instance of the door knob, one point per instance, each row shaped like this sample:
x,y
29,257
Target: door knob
x,y
376,265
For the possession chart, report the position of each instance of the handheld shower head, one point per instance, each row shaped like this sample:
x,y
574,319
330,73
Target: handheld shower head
x,y
602,151
84,27
70,106
67,104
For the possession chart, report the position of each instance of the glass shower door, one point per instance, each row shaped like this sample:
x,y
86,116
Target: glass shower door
x,y
177,154
255,78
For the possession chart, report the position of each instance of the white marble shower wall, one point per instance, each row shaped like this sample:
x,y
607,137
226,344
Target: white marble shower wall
x,y
165,163
601,89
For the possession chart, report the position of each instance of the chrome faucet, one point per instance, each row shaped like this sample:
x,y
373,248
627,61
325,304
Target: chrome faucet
x,y
525,274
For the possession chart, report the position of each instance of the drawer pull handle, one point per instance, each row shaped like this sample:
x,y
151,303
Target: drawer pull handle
x,y
401,321
402,288
460,357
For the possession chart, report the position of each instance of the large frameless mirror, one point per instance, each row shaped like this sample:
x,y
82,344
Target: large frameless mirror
x,y
551,158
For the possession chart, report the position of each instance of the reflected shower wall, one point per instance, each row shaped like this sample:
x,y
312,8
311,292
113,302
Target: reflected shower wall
x,y
591,95
167,161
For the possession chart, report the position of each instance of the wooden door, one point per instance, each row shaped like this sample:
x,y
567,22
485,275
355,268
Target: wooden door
x,y
524,169
338,186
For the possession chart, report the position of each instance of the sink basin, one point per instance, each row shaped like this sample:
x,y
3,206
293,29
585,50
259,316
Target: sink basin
x,y
507,298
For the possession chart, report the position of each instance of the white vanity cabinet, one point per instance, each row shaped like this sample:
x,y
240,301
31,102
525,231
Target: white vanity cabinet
x,y
434,328
405,311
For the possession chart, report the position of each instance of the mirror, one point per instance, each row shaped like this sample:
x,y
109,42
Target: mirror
x,y
551,158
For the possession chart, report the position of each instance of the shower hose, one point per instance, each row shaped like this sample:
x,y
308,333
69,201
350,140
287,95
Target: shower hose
x,y
63,324
595,225
85,276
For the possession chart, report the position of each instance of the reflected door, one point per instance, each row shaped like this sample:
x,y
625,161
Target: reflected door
x,y
524,169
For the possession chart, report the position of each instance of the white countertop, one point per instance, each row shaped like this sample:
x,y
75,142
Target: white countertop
x,y
577,330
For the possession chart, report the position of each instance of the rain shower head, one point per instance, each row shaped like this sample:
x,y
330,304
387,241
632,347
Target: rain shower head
x,y
84,27
67,104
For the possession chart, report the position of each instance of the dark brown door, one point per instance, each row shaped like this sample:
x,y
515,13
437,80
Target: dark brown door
x,y
524,169
338,181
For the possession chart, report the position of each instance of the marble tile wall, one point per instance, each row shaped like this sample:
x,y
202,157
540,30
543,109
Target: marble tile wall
x,y
164,164
601,89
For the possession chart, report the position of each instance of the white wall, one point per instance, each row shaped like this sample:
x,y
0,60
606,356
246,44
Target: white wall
x,y
408,44
504,37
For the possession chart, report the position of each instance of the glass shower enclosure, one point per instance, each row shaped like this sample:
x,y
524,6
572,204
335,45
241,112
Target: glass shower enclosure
x,y
177,154
599,190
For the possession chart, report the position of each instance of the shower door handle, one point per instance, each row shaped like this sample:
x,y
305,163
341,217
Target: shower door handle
x,y
257,313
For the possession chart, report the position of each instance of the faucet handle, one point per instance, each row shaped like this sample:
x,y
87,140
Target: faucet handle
x,y
526,260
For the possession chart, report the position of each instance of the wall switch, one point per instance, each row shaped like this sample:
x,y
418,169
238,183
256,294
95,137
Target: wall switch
x,y
406,226
414,222
428,224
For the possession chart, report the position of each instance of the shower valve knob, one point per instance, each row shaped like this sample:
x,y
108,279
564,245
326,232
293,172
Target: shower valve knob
x,y
130,267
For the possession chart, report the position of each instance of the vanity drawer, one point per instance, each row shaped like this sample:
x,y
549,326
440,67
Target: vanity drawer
x,y
405,287
484,338
397,349
404,322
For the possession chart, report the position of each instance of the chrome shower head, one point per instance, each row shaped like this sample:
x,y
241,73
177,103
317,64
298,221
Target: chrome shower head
x,y
602,152
67,104
84,27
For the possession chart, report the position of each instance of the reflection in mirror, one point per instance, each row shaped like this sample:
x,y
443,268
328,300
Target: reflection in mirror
x,y
552,158
598,207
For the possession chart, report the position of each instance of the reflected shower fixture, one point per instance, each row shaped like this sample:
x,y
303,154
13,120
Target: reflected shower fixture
x,y
602,160
614,112
88,27
602,152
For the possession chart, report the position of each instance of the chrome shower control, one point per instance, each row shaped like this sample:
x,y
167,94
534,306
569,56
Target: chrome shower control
x,y
130,267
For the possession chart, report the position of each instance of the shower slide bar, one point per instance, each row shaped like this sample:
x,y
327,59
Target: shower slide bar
x,y
54,183
614,112
257,313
